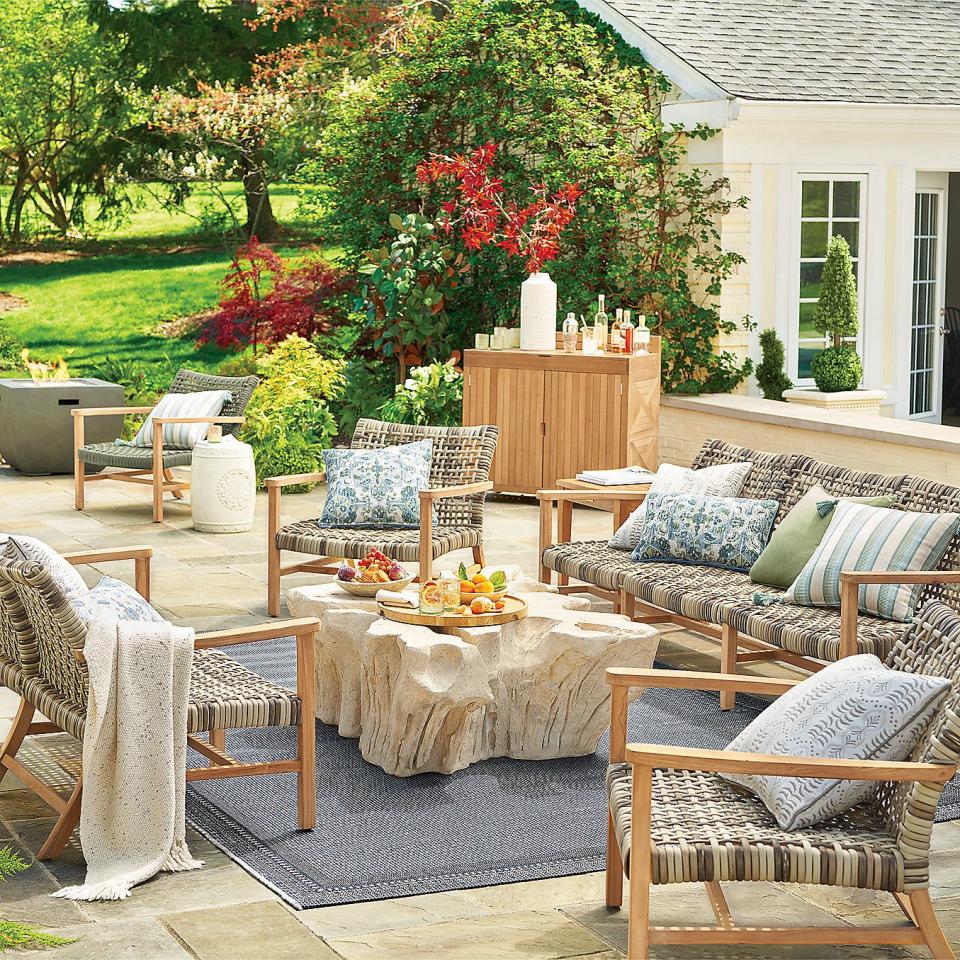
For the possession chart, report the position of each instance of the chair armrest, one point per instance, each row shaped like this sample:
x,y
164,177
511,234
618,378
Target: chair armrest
x,y
162,420
107,411
460,490
108,555
691,680
899,576
614,496
266,631
731,761
275,483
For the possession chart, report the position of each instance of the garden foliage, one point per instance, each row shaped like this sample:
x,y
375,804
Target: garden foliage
x,y
431,395
771,373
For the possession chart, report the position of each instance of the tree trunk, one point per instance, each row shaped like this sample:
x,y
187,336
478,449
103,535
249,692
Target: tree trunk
x,y
261,222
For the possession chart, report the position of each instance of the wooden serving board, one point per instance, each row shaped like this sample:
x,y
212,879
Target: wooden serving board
x,y
513,609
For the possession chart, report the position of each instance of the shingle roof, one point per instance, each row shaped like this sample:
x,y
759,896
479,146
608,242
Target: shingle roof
x,y
863,51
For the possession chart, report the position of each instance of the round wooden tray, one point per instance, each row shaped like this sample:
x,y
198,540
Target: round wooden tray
x,y
513,609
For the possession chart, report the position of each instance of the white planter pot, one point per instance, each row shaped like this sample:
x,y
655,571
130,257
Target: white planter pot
x,y
857,401
538,313
223,486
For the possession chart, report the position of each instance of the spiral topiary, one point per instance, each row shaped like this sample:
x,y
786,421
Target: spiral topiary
x,y
836,369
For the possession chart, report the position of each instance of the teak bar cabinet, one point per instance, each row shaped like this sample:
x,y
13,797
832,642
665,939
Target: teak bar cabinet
x,y
560,413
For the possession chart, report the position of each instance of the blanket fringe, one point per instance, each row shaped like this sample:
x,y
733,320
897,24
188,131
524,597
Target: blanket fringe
x,y
179,859
108,890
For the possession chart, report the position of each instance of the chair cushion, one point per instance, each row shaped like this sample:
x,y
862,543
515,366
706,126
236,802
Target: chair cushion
x,y
131,458
306,536
704,828
855,709
184,436
592,561
113,599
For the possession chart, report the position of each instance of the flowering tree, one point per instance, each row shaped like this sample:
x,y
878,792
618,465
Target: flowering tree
x,y
484,216
268,300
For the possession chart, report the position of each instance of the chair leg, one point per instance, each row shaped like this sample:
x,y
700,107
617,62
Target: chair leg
x,y
478,555
306,731
273,552
17,733
169,477
728,663
157,473
218,739
926,918
614,867
64,827
78,478
638,931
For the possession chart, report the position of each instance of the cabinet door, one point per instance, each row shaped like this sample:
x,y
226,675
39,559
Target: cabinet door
x,y
583,413
518,409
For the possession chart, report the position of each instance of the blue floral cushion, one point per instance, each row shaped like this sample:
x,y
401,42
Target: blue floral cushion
x,y
376,488
114,600
727,532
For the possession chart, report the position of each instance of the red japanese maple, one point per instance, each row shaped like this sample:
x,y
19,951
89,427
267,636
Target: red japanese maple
x,y
482,215
267,299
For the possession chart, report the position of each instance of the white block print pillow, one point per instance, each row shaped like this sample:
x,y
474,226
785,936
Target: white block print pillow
x,y
722,480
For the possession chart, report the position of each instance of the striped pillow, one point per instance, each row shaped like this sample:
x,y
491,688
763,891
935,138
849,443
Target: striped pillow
x,y
184,436
861,537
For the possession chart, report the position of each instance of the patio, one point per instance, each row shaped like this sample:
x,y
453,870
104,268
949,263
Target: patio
x,y
224,912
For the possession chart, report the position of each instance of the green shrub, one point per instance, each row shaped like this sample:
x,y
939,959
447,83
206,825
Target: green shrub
x,y
10,350
368,385
836,369
431,395
288,420
771,376
143,383
238,365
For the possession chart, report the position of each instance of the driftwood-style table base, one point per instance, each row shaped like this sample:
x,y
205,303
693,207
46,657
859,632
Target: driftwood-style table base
x,y
421,701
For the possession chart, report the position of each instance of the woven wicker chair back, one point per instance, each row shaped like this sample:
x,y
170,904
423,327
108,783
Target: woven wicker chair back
x,y
930,647
46,628
241,388
460,455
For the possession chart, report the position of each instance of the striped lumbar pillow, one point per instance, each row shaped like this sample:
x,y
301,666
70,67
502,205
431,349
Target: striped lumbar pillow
x,y
861,537
204,403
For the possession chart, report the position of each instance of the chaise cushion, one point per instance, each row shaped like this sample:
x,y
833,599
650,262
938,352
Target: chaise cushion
x,y
592,561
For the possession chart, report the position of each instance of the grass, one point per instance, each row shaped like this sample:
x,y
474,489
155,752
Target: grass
x,y
105,301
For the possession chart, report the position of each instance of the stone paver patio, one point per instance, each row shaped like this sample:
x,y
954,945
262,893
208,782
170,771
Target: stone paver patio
x,y
225,914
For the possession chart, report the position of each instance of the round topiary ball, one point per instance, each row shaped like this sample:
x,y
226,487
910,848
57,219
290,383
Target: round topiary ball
x,y
836,369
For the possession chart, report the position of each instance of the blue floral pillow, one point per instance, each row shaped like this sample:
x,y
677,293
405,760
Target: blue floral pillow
x,y
114,600
727,532
376,488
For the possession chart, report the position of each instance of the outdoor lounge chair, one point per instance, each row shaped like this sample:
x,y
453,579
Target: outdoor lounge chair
x,y
41,660
153,465
672,819
458,484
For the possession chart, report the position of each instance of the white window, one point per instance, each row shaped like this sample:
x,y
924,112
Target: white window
x,y
829,206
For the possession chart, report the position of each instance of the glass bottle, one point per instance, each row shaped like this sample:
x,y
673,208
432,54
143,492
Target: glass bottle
x,y
570,331
600,325
616,332
628,333
642,335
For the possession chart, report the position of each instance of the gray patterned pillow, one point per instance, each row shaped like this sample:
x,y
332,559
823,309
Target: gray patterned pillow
x,y
63,573
114,600
855,709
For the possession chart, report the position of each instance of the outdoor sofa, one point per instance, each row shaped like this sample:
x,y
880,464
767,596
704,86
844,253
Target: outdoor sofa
x,y
720,603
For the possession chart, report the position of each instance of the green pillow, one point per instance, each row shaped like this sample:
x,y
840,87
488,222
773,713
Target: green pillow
x,y
798,535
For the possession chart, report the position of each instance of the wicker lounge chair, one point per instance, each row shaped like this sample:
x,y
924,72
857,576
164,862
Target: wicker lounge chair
x,y
458,484
41,659
153,465
672,819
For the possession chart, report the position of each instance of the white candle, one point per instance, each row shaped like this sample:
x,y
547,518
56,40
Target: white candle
x,y
482,341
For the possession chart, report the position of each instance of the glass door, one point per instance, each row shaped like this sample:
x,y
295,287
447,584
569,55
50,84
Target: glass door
x,y
925,317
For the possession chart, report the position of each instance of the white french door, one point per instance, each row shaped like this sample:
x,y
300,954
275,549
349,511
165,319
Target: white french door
x,y
925,346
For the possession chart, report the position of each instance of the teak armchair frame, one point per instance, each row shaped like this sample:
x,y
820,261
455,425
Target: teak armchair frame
x,y
213,749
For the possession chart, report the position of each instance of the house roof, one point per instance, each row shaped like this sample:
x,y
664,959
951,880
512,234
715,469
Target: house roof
x,y
860,51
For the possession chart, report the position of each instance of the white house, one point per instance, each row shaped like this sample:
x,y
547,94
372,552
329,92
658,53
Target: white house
x,y
834,116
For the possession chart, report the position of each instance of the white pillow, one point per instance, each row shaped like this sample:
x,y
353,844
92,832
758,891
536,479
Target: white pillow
x,y
183,436
722,480
854,709
114,600
64,574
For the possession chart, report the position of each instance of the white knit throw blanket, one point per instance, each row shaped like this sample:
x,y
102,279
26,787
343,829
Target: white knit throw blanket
x,y
134,757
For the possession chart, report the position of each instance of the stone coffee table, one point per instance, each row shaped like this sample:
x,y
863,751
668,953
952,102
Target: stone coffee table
x,y
426,702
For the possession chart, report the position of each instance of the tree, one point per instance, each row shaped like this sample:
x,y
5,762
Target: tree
x,y
59,108
771,376
838,367
565,101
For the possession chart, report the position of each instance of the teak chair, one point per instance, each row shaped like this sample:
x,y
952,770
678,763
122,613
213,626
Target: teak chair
x,y
672,819
153,466
41,659
458,484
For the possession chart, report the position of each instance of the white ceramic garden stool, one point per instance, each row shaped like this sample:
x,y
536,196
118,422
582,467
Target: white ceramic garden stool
x,y
223,486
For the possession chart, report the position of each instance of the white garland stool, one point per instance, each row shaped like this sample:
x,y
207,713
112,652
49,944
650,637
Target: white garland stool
x,y
223,486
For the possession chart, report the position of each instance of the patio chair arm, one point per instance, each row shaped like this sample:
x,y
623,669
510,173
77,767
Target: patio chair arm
x,y
82,412
267,631
276,483
141,557
460,490
731,761
692,680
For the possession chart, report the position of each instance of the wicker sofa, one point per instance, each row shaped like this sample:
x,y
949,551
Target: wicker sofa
x,y
719,603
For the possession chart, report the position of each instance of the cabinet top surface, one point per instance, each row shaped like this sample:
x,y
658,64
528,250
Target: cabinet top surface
x,y
645,364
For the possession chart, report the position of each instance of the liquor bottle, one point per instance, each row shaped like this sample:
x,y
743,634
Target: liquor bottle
x,y
642,336
600,325
628,336
570,332
616,332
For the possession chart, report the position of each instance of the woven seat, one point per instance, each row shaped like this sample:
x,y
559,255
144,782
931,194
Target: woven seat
x,y
131,458
591,561
307,536
704,829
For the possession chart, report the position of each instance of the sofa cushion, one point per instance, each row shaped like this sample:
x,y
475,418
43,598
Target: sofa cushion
x,y
592,561
768,477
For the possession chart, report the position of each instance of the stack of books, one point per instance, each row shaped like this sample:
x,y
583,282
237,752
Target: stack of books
x,y
617,478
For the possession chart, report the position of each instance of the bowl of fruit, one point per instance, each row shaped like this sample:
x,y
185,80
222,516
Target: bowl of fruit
x,y
474,584
376,571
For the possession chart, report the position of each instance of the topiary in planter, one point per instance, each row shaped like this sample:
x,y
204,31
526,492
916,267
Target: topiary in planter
x,y
836,369
771,376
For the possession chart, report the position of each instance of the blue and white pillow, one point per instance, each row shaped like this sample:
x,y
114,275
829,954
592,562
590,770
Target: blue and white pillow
x,y
727,532
113,600
376,488
861,537
183,436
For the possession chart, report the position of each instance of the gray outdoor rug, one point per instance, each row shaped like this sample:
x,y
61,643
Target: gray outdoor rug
x,y
379,836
